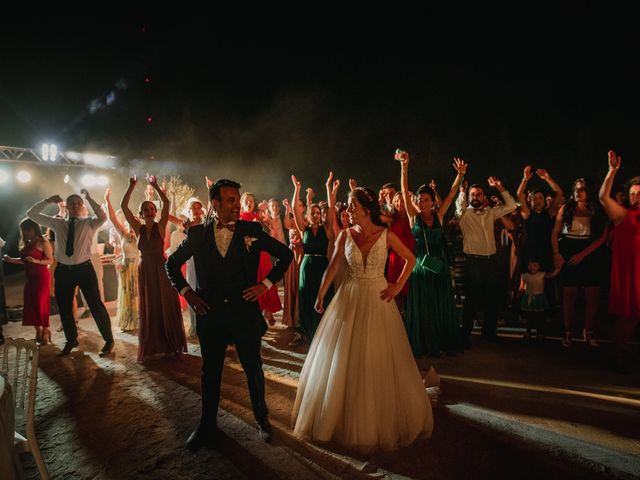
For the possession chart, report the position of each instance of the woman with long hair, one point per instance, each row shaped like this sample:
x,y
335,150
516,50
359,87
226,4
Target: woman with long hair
x,y
360,386
161,330
431,321
578,248
316,237
36,255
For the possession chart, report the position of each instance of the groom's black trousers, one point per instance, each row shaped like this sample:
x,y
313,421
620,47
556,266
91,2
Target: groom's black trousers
x,y
222,326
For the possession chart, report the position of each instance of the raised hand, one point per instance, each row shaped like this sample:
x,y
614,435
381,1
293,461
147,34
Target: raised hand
x,y
296,183
433,185
86,194
494,182
401,155
286,204
208,181
527,173
543,174
133,180
107,195
310,193
614,161
329,180
460,166
153,181
352,184
336,186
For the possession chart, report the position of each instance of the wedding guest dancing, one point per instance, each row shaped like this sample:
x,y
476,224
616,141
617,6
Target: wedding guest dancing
x,y
360,386
127,267
476,220
578,248
624,292
316,237
431,320
161,330
226,254
36,255
73,251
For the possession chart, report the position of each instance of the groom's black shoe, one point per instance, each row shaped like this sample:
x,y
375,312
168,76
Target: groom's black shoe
x,y
200,438
265,431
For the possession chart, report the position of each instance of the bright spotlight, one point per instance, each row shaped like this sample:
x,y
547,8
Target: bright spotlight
x,y
23,176
49,152
4,176
67,178
103,180
88,180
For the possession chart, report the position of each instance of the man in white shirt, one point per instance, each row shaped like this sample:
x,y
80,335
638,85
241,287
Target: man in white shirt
x,y
476,220
73,251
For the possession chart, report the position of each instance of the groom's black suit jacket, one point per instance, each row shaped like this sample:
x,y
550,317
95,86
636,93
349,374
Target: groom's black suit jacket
x,y
221,279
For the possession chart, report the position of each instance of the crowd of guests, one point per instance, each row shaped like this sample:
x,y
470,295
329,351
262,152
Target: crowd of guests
x,y
529,255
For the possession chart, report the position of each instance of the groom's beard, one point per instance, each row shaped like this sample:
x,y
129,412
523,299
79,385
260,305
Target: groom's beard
x,y
476,203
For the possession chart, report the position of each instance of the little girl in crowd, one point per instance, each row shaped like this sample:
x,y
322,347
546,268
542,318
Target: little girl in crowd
x,y
534,304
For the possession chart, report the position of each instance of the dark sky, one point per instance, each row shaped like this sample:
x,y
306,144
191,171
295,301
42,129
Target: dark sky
x,y
552,88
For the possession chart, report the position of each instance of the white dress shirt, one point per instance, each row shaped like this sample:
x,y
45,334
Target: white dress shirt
x,y
84,230
478,236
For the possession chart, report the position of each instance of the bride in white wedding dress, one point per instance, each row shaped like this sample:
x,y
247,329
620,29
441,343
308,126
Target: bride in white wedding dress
x,y
360,386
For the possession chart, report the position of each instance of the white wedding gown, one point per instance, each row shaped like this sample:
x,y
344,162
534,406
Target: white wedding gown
x,y
360,385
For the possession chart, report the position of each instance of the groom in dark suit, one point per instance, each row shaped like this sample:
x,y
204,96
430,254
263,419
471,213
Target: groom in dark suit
x,y
226,254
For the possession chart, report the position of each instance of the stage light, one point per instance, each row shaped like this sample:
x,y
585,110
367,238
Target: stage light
x,y
88,180
23,176
49,152
103,180
4,176
66,178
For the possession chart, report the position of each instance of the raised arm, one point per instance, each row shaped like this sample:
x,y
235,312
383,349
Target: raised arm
x,y
124,205
509,203
559,194
101,216
35,212
615,212
112,214
333,201
404,187
330,218
460,167
287,222
166,203
298,216
524,207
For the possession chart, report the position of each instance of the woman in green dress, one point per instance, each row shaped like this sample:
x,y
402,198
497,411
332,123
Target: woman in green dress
x,y
430,320
316,239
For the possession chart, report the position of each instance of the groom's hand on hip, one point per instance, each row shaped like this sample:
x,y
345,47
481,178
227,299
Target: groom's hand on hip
x,y
252,293
197,303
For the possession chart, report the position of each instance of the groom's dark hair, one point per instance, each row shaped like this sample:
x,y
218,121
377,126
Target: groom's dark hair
x,y
214,191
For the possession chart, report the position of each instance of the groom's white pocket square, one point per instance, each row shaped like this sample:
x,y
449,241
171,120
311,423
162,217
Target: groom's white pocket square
x,y
248,241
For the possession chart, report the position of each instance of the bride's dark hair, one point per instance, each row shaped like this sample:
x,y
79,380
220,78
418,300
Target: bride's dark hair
x,y
367,198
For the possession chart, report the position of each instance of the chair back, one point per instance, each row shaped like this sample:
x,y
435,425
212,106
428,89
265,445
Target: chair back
x,y
20,367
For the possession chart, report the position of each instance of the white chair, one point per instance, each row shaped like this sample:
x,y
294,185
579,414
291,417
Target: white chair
x,y
21,371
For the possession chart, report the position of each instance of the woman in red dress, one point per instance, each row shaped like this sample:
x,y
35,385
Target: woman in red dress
x,y
399,224
36,254
269,301
624,292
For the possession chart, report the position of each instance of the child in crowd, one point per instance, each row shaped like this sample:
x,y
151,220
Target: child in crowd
x,y
534,304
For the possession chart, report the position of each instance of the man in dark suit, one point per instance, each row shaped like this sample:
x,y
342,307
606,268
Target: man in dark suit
x,y
226,254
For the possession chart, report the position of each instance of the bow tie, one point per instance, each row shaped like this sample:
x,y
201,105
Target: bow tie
x,y
229,226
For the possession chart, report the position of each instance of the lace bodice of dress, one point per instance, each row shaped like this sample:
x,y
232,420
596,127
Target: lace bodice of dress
x,y
376,258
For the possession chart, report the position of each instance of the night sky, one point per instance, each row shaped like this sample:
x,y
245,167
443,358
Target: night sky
x,y
552,88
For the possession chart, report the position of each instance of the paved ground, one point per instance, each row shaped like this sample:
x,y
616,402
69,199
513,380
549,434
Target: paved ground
x,y
509,410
